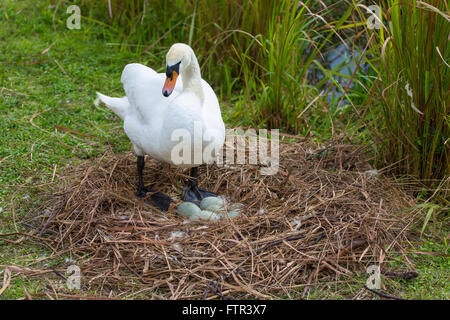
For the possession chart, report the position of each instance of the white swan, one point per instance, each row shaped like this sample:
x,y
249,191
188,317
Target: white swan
x,y
181,125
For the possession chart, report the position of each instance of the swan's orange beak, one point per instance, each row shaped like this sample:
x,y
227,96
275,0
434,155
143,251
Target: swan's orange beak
x,y
172,73
170,83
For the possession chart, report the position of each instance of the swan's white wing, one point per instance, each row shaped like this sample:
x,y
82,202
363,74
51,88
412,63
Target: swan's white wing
x,y
143,87
134,73
119,106
212,118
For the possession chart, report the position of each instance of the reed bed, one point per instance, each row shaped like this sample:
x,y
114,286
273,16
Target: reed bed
x,y
410,55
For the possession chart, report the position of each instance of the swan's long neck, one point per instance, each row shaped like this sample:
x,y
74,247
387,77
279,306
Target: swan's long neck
x,y
192,79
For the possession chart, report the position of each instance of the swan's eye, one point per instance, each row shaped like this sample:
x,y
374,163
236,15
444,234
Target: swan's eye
x,y
171,69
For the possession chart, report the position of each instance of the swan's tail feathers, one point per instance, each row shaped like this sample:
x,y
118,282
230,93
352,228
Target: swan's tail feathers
x,y
119,106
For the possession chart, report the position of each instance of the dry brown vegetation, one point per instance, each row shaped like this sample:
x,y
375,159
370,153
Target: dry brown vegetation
x,y
321,216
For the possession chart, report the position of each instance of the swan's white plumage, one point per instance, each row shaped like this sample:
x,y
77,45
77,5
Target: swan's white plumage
x,y
150,118
120,106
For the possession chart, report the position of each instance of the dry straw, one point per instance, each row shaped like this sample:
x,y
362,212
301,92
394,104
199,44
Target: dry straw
x,y
322,216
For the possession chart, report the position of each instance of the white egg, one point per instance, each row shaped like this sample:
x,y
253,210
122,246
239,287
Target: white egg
x,y
232,214
206,215
211,204
187,209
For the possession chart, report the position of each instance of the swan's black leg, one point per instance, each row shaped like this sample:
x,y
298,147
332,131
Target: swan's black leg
x,y
157,199
191,191
141,192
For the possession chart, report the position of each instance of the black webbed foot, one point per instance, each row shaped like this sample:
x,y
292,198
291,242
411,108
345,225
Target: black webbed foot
x,y
192,193
159,200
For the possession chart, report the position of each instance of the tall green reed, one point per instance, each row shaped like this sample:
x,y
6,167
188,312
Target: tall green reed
x,y
145,26
279,87
414,97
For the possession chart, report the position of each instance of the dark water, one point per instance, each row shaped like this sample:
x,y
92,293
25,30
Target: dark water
x,y
343,59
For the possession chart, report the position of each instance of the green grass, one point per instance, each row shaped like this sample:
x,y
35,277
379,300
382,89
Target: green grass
x,y
434,273
56,89
433,281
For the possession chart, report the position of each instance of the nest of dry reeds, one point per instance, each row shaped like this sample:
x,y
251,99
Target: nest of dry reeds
x,y
322,215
